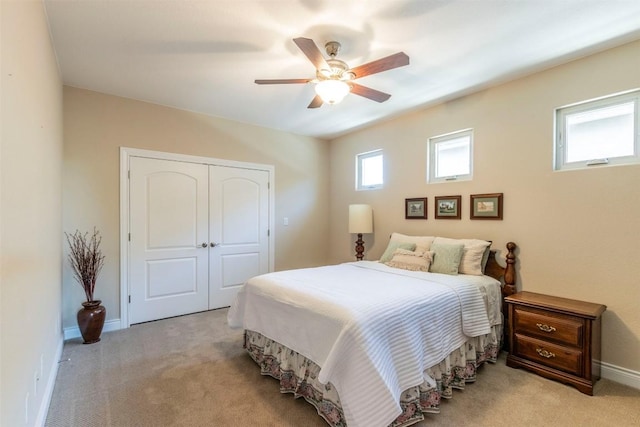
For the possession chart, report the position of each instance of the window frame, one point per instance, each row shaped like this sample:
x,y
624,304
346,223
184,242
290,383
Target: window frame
x,y
560,124
359,159
431,156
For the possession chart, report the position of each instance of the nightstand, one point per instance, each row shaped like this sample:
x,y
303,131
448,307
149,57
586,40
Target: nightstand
x,y
557,338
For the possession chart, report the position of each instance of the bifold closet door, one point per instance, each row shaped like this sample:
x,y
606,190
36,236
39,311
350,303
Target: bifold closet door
x,y
169,241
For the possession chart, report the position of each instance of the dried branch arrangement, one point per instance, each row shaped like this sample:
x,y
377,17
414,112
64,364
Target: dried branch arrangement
x,y
86,259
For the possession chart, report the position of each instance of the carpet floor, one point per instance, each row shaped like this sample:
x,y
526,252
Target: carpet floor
x,y
193,371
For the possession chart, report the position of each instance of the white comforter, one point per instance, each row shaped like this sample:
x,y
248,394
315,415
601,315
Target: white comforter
x,y
367,325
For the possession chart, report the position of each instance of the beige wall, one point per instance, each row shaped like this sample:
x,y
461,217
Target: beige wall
x,y
30,219
577,231
97,125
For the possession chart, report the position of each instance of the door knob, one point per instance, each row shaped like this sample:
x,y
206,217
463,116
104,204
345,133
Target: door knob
x,y
204,245
213,245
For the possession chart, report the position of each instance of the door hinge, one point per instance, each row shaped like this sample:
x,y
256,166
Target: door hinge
x,y
129,299
129,236
129,174
268,186
268,233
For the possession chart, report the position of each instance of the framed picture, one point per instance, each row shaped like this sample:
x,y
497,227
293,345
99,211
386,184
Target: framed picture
x,y
415,208
486,206
448,207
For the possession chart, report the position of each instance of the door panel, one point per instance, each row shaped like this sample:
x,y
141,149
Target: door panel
x,y
168,223
239,227
171,277
173,204
237,268
240,205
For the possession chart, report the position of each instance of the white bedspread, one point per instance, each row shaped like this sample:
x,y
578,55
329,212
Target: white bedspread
x,y
367,325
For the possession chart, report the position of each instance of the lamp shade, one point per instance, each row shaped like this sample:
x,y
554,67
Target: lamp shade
x,y
360,219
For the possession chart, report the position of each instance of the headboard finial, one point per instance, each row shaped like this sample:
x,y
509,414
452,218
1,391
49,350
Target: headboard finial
x,y
510,270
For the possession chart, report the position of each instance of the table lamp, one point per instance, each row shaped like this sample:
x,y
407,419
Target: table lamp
x,y
360,222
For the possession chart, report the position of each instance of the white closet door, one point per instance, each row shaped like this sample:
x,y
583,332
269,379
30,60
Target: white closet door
x,y
169,226
239,230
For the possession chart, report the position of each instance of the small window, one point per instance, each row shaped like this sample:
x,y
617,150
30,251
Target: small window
x,y
369,175
599,132
450,157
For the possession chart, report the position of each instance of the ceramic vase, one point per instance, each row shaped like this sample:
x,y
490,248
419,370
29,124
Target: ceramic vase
x,y
91,320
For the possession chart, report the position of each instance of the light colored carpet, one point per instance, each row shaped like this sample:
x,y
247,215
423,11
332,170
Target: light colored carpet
x,y
193,371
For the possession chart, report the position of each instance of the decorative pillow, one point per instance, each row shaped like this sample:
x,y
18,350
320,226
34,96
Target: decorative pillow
x,y
391,248
446,257
409,260
474,249
423,243
485,257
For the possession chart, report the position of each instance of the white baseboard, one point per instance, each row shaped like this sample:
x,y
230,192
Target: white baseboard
x,y
48,390
109,325
620,375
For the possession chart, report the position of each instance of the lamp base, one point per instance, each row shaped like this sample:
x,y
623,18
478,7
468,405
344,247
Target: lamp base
x,y
359,248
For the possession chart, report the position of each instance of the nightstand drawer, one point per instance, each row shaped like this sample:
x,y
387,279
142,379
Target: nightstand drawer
x,y
559,328
555,356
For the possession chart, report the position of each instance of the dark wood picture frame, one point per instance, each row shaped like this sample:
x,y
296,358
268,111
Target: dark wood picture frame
x,y
448,207
486,206
415,208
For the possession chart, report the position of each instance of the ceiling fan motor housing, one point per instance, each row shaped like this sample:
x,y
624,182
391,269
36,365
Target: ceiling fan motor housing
x,y
338,70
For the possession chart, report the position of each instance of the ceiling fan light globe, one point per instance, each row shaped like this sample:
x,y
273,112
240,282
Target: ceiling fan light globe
x,y
332,91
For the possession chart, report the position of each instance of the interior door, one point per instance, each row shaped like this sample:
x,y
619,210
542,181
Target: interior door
x,y
169,245
239,230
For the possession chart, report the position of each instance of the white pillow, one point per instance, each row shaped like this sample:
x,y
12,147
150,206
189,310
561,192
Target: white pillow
x,y
471,262
423,243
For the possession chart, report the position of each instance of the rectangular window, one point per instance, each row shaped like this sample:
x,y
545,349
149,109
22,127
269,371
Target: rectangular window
x,y
450,157
599,132
369,170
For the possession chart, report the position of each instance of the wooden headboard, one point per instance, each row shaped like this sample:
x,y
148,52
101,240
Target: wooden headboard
x,y
507,274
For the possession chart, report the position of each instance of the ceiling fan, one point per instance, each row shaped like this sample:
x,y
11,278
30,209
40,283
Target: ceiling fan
x,y
334,79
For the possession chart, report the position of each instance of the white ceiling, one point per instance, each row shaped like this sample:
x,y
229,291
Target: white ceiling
x,y
203,56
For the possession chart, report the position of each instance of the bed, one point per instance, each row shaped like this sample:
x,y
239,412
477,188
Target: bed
x,y
379,343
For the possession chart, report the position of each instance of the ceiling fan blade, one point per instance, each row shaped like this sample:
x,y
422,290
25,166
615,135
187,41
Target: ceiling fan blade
x,y
309,48
396,60
315,102
367,92
281,81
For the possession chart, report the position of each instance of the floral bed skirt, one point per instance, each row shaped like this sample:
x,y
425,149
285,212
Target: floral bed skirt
x,y
299,375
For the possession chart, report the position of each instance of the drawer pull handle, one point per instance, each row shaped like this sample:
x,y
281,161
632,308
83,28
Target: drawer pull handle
x,y
544,353
546,328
